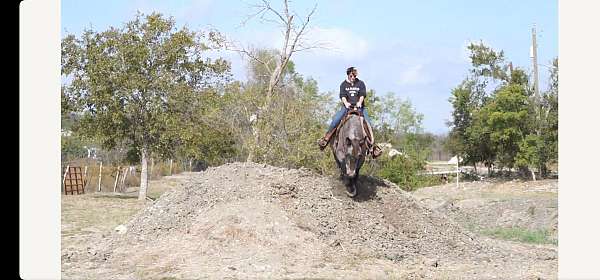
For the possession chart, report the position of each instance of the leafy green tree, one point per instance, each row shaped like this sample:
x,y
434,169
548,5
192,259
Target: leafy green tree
x,y
469,136
298,115
487,62
493,125
550,118
71,147
507,117
530,151
131,84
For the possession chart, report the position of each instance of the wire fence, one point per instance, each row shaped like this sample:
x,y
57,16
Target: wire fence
x,y
112,177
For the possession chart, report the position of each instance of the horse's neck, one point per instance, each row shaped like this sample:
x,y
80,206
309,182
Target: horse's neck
x,y
347,128
353,126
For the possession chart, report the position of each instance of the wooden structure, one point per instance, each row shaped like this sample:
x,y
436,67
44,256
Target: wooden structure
x,y
74,180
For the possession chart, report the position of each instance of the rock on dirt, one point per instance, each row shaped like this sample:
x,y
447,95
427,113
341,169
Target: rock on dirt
x,y
247,220
121,229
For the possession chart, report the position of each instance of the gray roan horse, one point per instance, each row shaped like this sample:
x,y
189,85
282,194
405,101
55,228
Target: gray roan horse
x,y
350,149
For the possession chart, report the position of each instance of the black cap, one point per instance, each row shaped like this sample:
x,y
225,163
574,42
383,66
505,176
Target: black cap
x,y
350,70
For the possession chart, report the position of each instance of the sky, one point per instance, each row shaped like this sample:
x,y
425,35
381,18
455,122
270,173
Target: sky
x,y
415,49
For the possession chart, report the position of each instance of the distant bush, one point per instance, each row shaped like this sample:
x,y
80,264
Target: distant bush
x,y
71,148
402,171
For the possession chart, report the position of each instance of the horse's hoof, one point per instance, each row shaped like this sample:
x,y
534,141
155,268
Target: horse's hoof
x,y
351,191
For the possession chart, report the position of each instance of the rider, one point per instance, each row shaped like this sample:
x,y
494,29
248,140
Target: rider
x,y
352,93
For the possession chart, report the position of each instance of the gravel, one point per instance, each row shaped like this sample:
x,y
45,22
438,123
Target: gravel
x,y
247,220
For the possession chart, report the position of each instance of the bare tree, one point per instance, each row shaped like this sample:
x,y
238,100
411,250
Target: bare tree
x,y
294,34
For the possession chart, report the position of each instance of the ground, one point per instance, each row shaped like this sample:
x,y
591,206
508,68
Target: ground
x,y
240,221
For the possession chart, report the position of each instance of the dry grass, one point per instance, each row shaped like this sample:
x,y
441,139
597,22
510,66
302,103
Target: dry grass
x,y
93,214
87,213
109,173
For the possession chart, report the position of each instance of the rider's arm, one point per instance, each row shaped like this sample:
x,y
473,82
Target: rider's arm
x,y
344,95
346,103
362,93
360,101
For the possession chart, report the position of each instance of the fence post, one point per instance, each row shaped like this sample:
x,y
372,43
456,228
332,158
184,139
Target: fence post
x,y
116,178
100,178
64,178
124,177
85,181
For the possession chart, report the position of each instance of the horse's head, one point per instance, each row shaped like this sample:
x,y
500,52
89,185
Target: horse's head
x,y
351,149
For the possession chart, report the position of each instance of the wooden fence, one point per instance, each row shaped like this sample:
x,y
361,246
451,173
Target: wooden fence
x,y
101,177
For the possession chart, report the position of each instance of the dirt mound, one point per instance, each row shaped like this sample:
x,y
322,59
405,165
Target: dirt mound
x,y
246,219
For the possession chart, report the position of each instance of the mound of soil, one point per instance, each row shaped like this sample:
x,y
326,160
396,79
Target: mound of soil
x,y
246,220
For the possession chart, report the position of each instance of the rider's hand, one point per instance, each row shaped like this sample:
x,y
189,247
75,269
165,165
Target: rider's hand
x,y
358,105
347,104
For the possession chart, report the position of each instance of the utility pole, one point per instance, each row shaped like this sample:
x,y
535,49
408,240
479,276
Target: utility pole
x,y
536,85
535,66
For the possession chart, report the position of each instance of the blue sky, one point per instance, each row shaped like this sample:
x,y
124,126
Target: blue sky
x,y
416,49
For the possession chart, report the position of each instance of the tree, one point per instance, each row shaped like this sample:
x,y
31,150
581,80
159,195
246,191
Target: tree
x,y
530,151
502,125
393,118
138,83
507,117
468,135
292,124
276,66
487,62
550,117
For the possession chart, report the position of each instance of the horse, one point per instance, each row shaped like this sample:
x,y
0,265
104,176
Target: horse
x,y
350,148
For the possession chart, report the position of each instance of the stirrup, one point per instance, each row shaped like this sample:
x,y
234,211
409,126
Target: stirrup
x,y
322,143
376,151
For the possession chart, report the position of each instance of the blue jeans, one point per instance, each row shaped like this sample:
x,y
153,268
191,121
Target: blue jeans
x,y
340,114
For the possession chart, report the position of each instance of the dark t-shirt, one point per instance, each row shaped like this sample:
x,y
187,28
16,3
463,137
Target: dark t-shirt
x,y
353,92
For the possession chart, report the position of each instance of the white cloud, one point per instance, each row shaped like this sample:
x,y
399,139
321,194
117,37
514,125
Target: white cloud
x,y
337,43
413,75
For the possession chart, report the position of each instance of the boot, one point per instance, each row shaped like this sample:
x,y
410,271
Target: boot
x,y
376,151
325,140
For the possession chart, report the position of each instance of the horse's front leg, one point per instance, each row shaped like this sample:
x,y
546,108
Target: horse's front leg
x,y
351,187
341,166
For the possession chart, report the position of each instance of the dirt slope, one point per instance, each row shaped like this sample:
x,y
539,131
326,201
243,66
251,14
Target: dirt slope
x,y
240,221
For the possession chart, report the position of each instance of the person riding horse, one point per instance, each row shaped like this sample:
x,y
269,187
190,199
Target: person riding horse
x,y
352,93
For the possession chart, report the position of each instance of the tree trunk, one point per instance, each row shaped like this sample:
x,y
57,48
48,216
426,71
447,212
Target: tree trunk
x,y
151,168
144,175
532,173
252,150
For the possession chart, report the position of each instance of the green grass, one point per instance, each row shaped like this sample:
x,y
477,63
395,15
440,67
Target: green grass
x,y
521,235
